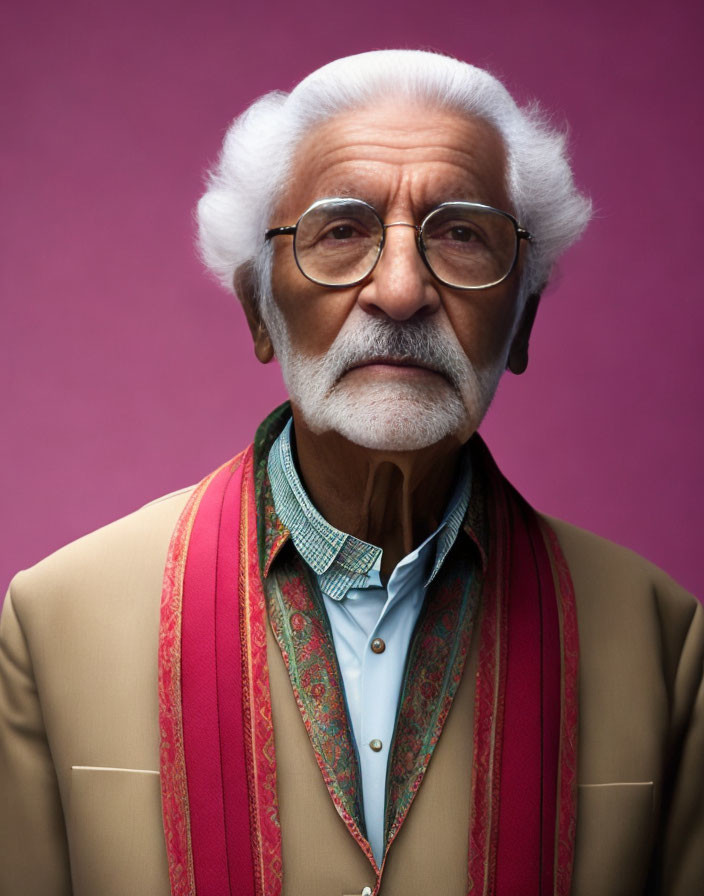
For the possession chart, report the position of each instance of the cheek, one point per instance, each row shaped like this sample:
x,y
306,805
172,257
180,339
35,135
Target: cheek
x,y
483,326
313,315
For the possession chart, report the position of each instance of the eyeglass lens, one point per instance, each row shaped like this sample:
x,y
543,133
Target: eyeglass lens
x,y
468,246
338,242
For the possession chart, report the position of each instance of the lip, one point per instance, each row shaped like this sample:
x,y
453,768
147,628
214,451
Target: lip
x,y
393,362
394,367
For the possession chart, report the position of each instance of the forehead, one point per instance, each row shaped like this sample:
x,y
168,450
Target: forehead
x,y
402,157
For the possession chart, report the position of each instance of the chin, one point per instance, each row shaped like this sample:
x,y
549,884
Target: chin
x,y
388,415
389,418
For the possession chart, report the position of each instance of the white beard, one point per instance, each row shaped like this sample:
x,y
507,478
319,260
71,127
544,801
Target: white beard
x,y
386,415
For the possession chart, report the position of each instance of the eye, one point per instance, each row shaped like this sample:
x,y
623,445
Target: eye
x,y
454,232
342,232
461,233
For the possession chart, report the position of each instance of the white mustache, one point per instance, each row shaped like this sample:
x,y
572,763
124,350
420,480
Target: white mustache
x,y
417,342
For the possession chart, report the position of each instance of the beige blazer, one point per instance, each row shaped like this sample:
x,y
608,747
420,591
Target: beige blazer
x,y
80,807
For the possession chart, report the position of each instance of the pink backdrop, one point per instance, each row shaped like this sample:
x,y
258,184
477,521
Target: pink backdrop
x,y
127,373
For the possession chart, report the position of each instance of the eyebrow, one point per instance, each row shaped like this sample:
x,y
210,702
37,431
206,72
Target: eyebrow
x,y
457,192
349,193
461,192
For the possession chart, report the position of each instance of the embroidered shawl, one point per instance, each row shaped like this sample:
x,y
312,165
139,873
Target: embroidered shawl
x,y
218,767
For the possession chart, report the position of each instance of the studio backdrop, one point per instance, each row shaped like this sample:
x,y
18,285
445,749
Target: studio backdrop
x,y
127,373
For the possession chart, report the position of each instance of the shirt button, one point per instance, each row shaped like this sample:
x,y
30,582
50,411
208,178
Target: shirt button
x,y
376,745
378,645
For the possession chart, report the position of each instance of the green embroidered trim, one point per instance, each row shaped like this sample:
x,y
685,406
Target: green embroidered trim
x,y
270,530
301,628
436,660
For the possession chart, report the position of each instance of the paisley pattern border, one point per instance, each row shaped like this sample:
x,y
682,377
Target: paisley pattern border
x,y
289,598
256,703
489,708
488,713
300,627
172,760
567,782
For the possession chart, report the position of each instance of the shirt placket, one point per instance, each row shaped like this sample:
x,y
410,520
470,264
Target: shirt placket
x,y
383,663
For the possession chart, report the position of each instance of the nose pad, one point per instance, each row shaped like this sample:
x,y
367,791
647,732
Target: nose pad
x,y
400,286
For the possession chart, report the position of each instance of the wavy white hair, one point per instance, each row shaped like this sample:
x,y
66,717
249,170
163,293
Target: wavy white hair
x,y
257,153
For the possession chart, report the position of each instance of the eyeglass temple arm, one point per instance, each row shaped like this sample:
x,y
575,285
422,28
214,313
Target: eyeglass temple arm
x,y
524,234
280,231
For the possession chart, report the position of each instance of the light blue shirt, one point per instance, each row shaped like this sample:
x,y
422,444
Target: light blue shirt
x,y
371,624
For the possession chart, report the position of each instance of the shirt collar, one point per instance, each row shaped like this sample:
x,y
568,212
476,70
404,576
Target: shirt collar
x,y
342,561
476,520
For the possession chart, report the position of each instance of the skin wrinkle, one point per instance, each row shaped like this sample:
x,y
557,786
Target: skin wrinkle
x,y
254,166
382,491
480,166
457,192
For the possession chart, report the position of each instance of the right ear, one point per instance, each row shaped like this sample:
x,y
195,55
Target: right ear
x,y
244,283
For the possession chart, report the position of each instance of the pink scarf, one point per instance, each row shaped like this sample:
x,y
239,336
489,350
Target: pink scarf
x,y
218,768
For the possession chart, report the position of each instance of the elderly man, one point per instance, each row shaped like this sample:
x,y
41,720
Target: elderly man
x,y
353,659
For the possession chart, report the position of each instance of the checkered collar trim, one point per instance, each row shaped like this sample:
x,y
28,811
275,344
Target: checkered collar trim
x,y
342,561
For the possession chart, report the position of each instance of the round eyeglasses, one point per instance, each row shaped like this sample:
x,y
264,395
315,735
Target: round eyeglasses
x,y
465,245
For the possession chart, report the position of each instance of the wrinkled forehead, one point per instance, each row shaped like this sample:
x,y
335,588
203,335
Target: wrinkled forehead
x,y
398,153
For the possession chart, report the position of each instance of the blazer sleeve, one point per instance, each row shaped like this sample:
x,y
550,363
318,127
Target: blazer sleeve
x,y
681,847
33,846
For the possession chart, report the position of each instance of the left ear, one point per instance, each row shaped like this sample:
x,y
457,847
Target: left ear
x,y
518,353
245,287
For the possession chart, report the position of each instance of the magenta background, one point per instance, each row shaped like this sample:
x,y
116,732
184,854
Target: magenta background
x,y
126,373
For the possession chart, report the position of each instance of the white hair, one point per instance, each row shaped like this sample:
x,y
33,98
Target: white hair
x,y
256,157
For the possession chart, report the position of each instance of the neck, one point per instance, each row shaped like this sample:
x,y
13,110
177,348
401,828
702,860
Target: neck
x,y
392,499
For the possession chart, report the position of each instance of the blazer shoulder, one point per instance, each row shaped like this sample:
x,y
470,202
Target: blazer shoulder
x,y
616,585
116,555
600,561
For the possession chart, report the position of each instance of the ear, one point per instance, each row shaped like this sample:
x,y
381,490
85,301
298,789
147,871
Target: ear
x,y
244,283
518,353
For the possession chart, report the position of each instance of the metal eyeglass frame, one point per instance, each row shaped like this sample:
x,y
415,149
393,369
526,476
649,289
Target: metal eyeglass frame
x,y
291,230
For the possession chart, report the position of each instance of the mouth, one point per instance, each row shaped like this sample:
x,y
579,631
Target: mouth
x,y
408,364
394,370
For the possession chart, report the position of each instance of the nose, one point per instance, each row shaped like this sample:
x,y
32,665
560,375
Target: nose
x,y
400,286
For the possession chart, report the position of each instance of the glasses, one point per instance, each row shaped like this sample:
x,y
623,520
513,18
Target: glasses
x,y
465,245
